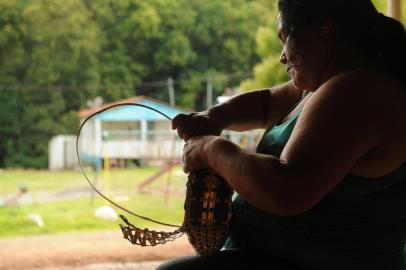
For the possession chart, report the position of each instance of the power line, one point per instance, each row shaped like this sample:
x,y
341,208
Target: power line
x,y
119,86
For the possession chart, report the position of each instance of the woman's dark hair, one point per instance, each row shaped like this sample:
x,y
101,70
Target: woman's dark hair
x,y
381,38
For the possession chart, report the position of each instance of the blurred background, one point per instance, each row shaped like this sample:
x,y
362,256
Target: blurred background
x,y
61,61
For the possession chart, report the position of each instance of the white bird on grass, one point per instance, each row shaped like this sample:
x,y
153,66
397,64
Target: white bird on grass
x,y
36,219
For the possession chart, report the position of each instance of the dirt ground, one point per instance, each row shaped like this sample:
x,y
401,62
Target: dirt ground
x,y
85,251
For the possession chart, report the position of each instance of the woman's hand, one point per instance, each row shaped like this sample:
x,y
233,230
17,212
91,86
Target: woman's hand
x,y
196,124
195,152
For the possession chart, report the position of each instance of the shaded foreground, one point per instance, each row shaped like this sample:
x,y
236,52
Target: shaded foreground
x,y
148,265
92,251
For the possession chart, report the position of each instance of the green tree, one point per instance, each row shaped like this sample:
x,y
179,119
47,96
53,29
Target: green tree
x,y
269,71
49,50
186,40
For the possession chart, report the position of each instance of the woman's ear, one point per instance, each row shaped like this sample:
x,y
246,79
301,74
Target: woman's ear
x,y
326,27
326,30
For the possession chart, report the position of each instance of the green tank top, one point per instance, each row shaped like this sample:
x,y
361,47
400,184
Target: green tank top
x,y
361,224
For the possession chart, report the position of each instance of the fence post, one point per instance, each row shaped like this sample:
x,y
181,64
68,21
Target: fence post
x,y
171,91
209,90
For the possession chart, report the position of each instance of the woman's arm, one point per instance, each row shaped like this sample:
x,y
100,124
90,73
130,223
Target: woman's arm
x,y
255,109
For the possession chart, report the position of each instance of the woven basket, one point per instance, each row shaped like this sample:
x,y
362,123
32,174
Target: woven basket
x,y
207,211
207,216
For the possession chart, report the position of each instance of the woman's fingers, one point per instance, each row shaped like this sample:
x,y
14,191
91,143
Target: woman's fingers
x,y
178,120
180,124
195,124
185,125
193,154
185,168
186,157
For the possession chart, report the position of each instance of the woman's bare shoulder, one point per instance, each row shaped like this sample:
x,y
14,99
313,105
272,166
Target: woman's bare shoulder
x,y
366,81
367,90
372,105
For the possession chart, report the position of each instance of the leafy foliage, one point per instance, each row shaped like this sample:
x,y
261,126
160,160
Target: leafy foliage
x,y
269,71
56,55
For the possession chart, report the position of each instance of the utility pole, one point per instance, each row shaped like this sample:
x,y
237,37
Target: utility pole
x,y
395,9
171,91
209,91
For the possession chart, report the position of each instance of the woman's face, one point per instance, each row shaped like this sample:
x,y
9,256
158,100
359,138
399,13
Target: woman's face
x,y
304,54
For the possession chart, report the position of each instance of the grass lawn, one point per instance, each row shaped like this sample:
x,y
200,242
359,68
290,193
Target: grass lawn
x,y
37,180
78,214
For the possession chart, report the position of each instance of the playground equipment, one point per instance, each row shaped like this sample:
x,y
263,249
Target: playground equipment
x,y
14,200
167,168
207,208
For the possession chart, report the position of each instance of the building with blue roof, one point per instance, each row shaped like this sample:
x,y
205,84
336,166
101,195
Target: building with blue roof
x,y
128,132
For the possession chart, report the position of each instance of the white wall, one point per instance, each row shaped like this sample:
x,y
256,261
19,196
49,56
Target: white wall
x,y
62,152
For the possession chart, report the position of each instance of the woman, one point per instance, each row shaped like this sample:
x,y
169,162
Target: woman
x,y
327,186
